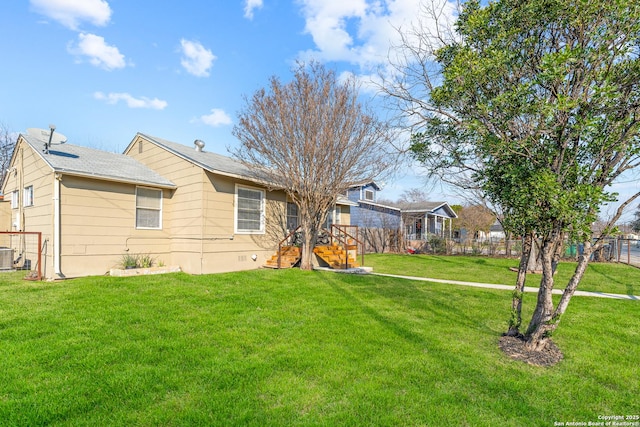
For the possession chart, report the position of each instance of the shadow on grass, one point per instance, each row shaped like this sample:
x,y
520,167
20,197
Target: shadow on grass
x,y
430,306
462,348
630,288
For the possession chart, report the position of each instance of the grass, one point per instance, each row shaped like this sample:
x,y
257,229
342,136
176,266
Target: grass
x,y
600,277
298,348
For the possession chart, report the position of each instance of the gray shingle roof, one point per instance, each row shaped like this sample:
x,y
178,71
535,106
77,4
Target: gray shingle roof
x,y
427,207
92,163
212,162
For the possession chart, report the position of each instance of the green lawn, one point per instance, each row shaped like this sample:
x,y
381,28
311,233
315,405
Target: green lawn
x,y
600,277
298,348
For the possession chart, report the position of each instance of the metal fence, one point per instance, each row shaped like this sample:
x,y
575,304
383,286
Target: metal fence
x,y
626,251
614,250
21,251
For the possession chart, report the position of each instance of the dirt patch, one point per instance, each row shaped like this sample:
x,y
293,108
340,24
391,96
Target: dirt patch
x,y
514,348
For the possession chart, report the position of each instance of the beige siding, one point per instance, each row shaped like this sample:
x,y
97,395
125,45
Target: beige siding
x,y
222,254
202,214
184,206
31,170
98,226
5,215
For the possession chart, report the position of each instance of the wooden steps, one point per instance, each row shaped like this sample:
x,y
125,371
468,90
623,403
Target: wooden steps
x,y
334,256
289,256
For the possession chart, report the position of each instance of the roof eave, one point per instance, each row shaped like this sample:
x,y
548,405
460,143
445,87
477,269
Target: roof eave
x,y
115,179
366,202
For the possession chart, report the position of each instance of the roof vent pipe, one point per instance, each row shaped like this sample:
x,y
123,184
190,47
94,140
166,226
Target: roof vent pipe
x,y
199,144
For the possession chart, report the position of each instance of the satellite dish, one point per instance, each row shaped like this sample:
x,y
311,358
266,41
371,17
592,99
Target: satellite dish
x,y
48,136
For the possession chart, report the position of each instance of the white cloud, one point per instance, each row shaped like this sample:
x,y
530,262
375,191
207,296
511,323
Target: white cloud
x,y
142,102
217,118
100,54
250,6
197,60
71,13
362,31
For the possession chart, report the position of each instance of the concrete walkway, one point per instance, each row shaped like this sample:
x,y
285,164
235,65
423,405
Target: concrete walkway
x,y
509,288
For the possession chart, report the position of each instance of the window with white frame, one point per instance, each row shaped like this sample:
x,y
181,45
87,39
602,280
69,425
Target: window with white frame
x,y
15,199
148,208
369,195
249,210
27,196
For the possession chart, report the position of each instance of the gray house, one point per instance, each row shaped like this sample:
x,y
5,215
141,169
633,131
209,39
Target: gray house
x,y
368,213
427,218
417,221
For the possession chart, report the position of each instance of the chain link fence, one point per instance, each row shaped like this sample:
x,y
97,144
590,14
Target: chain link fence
x,y
626,251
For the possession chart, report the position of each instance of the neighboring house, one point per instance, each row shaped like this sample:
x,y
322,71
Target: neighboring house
x,y
368,213
181,205
419,219
496,232
423,219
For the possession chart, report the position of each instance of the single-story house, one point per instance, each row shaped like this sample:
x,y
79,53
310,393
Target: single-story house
x,y
422,219
181,205
417,221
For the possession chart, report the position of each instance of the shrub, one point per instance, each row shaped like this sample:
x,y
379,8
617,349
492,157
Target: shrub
x,y
129,261
145,261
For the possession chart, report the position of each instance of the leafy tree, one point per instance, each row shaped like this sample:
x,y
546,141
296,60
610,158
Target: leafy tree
x,y
312,138
537,104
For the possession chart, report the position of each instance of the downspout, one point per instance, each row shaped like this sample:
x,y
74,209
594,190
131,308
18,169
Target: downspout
x,y
56,225
203,218
21,216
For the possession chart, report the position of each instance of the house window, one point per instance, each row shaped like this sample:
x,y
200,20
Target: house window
x,y
292,216
15,195
334,216
28,196
249,210
368,195
148,208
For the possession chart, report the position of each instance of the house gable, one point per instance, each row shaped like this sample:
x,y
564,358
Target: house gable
x,y
204,207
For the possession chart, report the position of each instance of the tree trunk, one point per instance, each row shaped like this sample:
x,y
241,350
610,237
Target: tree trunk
x,y
542,322
534,263
536,336
309,236
542,330
516,304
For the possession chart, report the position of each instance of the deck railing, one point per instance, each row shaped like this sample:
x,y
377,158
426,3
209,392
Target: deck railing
x,y
341,233
290,239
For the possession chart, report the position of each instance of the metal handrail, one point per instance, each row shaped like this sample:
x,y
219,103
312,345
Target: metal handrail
x,y
345,242
292,233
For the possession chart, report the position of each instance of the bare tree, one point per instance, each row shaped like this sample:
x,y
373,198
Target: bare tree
x,y
379,230
312,138
476,218
7,143
635,224
413,195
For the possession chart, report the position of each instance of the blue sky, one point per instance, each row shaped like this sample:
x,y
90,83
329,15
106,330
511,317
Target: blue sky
x,y
102,70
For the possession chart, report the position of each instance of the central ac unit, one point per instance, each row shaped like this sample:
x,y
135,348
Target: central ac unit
x,y
6,259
